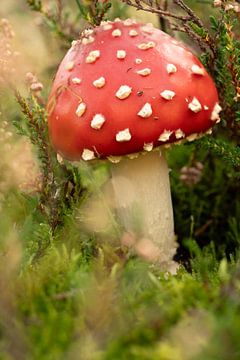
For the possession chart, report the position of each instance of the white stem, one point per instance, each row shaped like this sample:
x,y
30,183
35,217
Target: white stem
x,y
143,199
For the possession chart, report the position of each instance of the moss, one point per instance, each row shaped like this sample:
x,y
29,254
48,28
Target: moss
x,y
68,293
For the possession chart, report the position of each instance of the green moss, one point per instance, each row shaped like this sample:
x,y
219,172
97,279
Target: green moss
x,y
66,294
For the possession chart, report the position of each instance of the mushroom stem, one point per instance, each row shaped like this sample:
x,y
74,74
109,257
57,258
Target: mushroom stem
x,y
143,200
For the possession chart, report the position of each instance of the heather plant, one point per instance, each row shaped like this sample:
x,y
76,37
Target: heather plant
x,y
69,291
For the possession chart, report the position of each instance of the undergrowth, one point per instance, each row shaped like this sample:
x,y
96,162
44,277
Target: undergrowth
x,y
67,292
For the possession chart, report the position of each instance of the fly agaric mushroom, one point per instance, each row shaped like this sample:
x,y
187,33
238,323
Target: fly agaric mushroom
x,y
122,91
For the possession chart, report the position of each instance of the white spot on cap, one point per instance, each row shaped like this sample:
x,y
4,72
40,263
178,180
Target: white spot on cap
x,y
69,66
133,33
123,135
87,40
117,20
121,54
215,113
106,25
171,68
116,33
146,111
144,72
99,83
92,56
192,137
147,28
76,80
133,156
206,107
123,92
167,94
95,53
138,61
60,159
179,134
167,146
97,121
114,159
81,109
88,32
146,46
148,146
165,135
74,43
195,105
197,70
129,22
88,155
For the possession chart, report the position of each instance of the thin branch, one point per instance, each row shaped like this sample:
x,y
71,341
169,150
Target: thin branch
x,y
189,11
188,21
150,9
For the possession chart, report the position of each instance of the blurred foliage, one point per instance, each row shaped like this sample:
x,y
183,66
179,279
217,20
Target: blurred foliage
x,y
70,293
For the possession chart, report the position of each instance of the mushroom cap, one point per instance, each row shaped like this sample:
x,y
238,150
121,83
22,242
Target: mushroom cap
x,y
125,87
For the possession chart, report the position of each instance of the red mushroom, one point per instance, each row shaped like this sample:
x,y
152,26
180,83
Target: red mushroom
x,y
125,88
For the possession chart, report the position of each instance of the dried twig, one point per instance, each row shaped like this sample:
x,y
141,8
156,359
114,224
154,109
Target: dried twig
x,y
191,14
188,21
148,8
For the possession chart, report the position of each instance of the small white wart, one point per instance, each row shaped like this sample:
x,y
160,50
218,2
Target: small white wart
x,y
88,155
69,66
97,121
81,109
179,134
99,83
148,146
192,137
150,25
107,27
129,22
138,61
103,22
92,56
76,80
197,70
114,159
215,113
123,136
87,40
60,159
171,68
88,32
74,43
133,33
116,33
195,105
167,94
144,72
147,29
133,156
146,46
121,54
146,111
123,92
165,135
